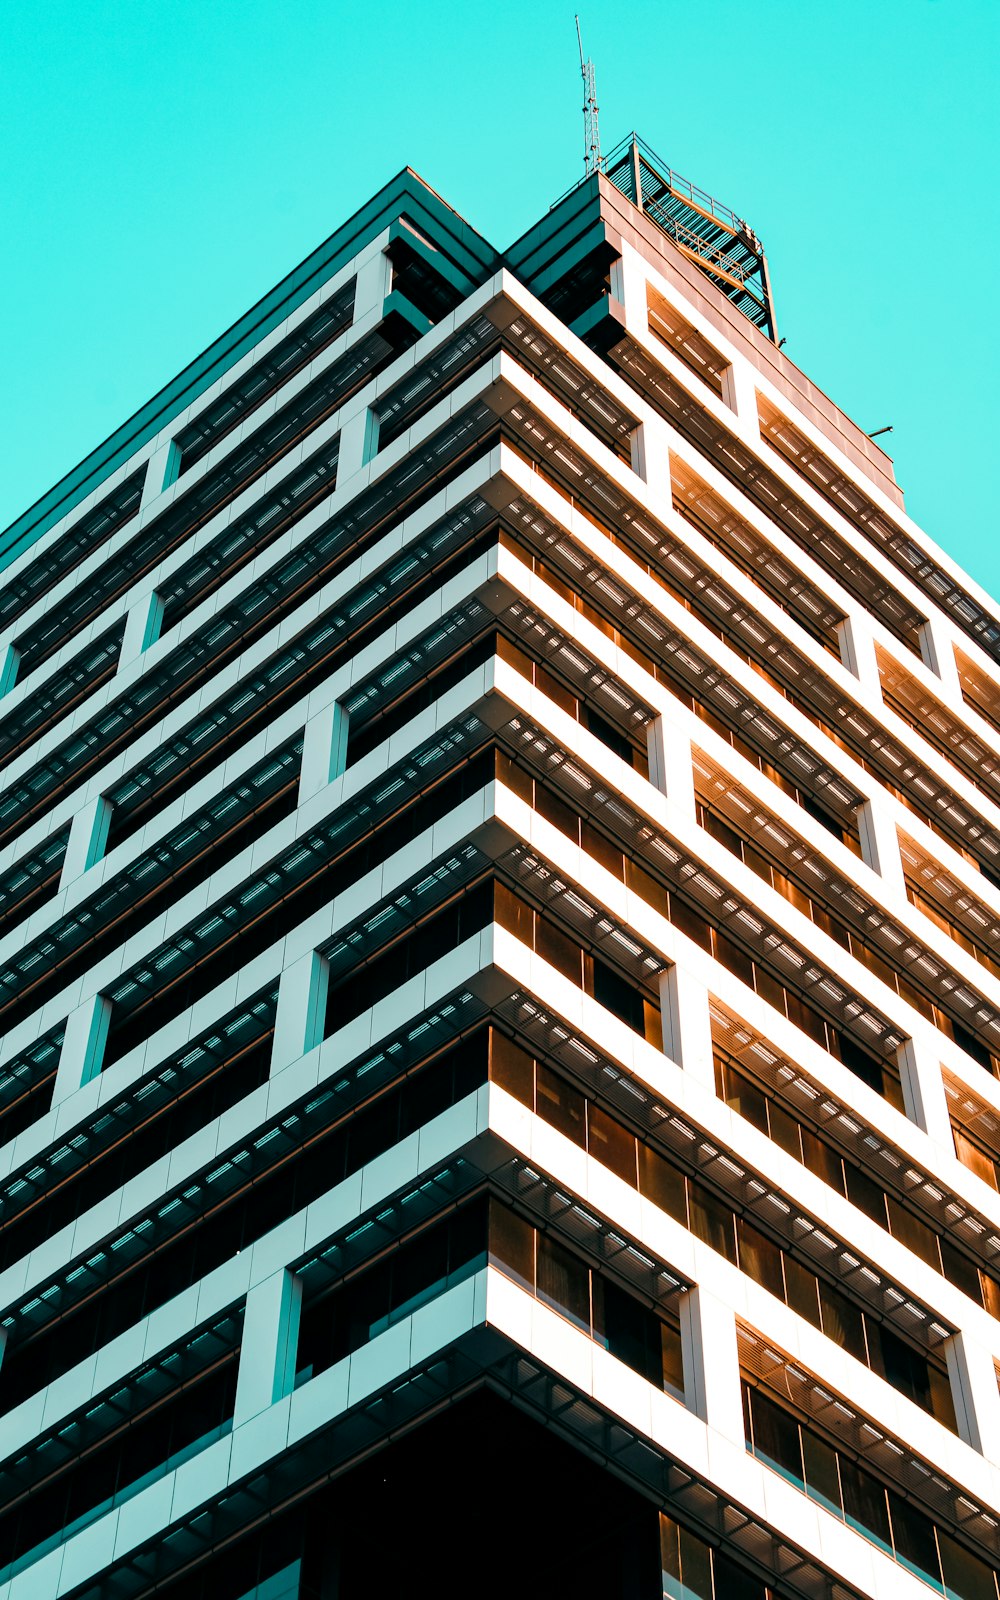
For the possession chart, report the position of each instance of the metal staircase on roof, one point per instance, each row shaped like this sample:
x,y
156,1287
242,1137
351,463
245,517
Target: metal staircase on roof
x,y
720,243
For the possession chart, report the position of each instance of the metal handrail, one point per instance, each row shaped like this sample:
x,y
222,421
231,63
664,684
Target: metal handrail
x,y
674,180
708,252
666,174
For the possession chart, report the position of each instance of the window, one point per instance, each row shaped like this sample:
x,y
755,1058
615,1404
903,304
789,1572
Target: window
x,y
647,1341
841,1485
622,997
911,1370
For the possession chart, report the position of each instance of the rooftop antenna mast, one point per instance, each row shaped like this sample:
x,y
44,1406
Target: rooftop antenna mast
x,y
591,132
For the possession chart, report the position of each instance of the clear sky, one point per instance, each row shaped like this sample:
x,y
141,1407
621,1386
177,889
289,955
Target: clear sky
x,y
165,163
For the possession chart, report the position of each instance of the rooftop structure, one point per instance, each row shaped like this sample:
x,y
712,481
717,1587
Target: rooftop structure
x,y
499,976
718,241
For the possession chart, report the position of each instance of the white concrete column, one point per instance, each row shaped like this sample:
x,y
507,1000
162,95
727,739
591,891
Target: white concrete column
x,y
924,1093
628,287
651,459
687,1024
358,443
324,749
270,1340
142,628
880,844
739,390
671,768
374,280
617,281
857,652
82,1054
938,654
10,660
711,1359
88,835
977,1398
301,1009
162,470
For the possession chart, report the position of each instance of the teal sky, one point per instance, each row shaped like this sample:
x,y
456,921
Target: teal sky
x,y
166,163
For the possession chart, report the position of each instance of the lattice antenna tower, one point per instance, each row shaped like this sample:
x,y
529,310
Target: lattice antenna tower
x,y
591,131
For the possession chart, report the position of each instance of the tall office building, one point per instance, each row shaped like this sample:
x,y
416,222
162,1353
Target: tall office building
x,y
500,980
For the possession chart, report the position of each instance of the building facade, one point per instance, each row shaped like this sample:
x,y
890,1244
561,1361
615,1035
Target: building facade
x,y
500,998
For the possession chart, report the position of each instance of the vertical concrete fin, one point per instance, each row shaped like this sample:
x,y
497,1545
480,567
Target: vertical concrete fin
x,y
270,1341
324,749
301,1010
710,1353
82,1054
88,836
687,1024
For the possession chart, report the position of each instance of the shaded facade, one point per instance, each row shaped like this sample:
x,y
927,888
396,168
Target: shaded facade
x,y
500,872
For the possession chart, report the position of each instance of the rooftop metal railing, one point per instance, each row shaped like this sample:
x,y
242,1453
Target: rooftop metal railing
x,y
679,184
722,244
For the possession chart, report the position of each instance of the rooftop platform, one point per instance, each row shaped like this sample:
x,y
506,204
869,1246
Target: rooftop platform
x,y
722,244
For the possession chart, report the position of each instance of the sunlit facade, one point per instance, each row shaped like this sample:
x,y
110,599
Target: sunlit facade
x,y
500,966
